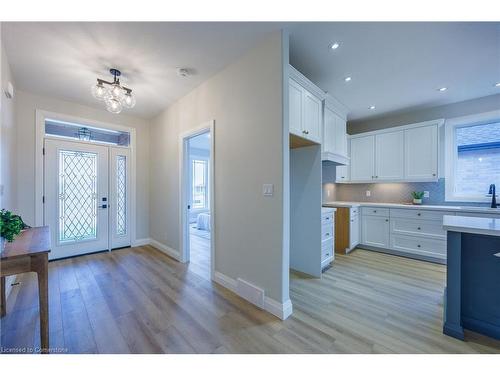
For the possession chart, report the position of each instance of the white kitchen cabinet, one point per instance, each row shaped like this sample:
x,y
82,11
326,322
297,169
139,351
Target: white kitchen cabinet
x,y
362,158
375,231
353,228
295,107
421,153
334,134
305,102
343,172
312,119
389,156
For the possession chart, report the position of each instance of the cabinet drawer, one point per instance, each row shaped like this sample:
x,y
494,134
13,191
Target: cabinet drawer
x,y
419,214
327,249
326,231
427,228
375,211
327,218
421,246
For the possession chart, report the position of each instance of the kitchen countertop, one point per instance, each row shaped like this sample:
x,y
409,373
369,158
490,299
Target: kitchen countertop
x,y
414,206
476,225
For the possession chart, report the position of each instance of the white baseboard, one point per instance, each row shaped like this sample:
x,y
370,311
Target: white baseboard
x,y
281,310
166,249
141,242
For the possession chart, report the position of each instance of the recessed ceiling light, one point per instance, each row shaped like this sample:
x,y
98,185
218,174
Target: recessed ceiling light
x,y
335,45
347,79
442,89
497,84
371,107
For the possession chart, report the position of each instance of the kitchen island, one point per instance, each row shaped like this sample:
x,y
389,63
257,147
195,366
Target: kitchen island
x,y
472,296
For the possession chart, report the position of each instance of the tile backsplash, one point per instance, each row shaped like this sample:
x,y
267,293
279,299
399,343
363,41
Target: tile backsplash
x,y
387,192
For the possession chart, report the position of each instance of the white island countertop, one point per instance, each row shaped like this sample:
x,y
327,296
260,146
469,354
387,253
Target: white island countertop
x,y
476,225
414,206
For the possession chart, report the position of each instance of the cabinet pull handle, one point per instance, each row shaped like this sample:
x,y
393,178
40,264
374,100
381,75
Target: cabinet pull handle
x,y
376,176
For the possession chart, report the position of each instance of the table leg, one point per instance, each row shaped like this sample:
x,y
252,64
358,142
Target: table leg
x,y
40,266
3,302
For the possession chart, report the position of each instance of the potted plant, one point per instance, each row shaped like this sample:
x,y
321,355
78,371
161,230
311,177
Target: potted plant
x,y
417,197
10,226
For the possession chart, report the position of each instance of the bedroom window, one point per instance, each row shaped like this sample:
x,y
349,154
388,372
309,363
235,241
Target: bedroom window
x,y
473,158
200,184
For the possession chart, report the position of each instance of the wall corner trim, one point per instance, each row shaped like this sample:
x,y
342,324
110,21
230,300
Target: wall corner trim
x,y
278,309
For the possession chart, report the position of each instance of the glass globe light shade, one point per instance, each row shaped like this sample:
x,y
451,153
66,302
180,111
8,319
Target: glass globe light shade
x,y
129,100
117,91
113,105
99,91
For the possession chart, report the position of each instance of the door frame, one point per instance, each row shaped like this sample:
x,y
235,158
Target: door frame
x,y
184,179
40,117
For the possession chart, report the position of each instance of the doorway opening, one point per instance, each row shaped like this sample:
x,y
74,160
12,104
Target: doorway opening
x,y
86,188
197,193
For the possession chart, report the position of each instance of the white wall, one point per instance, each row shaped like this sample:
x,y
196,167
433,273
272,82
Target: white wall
x,y
8,199
246,102
27,104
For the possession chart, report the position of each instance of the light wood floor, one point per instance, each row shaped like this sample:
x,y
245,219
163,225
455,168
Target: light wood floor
x,y
139,300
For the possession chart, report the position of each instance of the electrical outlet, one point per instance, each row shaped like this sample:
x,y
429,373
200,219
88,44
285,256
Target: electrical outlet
x,y
268,190
426,194
368,193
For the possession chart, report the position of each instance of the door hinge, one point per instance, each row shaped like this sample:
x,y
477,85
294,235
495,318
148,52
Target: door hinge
x,y
43,199
43,151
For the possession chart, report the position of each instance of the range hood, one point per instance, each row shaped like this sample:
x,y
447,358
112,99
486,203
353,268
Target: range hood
x,y
335,158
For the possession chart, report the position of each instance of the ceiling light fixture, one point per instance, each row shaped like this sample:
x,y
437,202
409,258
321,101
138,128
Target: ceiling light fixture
x,y
113,94
347,79
442,89
497,84
371,107
335,45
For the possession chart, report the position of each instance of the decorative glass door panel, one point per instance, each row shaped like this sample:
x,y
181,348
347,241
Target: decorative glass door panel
x,y
119,170
77,196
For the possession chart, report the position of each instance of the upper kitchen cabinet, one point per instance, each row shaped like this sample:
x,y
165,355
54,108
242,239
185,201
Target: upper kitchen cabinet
x,y
334,133
389,156
305,102
363,158
421,153
399,154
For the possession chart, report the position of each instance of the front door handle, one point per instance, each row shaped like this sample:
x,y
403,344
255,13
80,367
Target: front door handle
x,y
103,206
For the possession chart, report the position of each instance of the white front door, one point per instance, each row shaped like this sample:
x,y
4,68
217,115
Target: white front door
x,y
76,197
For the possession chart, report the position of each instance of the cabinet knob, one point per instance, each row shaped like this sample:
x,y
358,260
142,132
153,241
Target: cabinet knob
x,y
374,211
419,214
418,228
418,245
434,174
376,176
386,219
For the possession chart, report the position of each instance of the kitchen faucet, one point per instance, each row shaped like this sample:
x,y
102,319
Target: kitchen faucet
x,y
492,192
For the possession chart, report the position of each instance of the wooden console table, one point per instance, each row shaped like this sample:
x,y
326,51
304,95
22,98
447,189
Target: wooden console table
x,y
29,253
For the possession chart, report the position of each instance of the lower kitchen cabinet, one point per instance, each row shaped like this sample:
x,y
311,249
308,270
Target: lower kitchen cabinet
x,y
375,230
346,229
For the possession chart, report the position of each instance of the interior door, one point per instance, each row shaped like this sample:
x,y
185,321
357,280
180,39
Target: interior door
x,y
76,197
119,197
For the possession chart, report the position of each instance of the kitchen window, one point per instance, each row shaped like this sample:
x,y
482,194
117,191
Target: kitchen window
x,y
472,157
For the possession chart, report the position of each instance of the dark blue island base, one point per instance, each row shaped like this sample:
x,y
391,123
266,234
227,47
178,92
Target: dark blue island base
x,y
472,297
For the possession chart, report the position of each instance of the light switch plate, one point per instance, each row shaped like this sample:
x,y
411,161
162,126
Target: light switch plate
x,y
368,193
268,190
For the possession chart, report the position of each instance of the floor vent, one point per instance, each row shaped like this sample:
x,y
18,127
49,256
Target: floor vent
x,y
250,292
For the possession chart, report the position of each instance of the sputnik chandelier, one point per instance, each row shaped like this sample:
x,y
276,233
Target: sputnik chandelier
x,y
113,94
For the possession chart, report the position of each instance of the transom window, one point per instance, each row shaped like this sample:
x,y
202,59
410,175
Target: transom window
x,y
473,160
